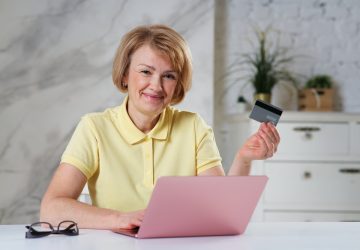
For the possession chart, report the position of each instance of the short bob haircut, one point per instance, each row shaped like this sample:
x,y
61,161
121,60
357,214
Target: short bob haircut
x,y
164,39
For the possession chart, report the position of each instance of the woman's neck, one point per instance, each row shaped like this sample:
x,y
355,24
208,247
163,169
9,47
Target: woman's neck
x,y
145,123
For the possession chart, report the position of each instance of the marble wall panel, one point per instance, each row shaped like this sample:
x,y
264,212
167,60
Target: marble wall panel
x,y
55,65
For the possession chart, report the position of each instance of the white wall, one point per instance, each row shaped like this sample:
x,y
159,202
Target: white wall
x,y
324,36
55,66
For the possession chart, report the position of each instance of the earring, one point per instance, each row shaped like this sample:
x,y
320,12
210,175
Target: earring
x,y
124,85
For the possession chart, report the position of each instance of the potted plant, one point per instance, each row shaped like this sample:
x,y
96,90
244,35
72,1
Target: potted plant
x,y
267,66
317,94
319,82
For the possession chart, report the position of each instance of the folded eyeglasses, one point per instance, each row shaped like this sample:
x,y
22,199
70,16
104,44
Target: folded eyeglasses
x,y
41,229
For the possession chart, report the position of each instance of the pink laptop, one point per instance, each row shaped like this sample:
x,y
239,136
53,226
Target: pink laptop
x,y
199,206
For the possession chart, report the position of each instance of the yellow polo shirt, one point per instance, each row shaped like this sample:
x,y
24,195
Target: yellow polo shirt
x,y
122,163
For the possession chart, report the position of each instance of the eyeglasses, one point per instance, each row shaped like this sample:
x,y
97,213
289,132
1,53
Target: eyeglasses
x,y
41,229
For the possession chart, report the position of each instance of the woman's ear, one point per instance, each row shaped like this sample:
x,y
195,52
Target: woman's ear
x,y
124,81
126,77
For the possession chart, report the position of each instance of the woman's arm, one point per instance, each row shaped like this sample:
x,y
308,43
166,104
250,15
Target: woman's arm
x,y
218,170
60,203
240,166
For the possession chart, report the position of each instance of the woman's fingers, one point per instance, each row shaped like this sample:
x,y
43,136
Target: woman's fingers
x,y
269,140
137,222
269,129
274,132
132,219
269,145
263,144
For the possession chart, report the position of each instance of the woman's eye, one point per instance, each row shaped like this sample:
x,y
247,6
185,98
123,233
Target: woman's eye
x,y
170,76
145,72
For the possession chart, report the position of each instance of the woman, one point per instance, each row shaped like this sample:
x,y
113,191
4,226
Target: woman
x,y
123,150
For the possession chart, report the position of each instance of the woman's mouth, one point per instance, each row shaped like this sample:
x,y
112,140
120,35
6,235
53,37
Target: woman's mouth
x,y
153,97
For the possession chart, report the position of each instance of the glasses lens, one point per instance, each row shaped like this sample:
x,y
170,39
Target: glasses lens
x,y
41,227
68,228
38,229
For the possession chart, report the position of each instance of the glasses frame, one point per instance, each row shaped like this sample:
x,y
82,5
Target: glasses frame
x,y
71,230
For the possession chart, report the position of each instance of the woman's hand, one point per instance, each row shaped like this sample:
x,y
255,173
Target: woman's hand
x,y
131,220
261,145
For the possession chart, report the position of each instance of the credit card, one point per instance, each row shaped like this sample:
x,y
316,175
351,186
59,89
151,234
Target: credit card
x,y
264,112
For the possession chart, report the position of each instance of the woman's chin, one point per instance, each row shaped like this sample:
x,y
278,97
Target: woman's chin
x,y
153,107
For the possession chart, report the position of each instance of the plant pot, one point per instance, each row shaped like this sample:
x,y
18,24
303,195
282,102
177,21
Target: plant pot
x,y
316,99
266,97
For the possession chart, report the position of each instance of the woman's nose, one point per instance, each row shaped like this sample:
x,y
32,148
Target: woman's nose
x,y
156,82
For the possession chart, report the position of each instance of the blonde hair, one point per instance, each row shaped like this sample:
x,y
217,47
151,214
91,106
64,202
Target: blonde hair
x,y
164,39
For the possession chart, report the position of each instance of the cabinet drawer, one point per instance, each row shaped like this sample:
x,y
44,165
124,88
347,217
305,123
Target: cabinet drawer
x,y
310,216
312,185
313,139
355,139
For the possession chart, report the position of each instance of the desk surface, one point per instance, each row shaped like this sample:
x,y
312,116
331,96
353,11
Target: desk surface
x,y
302,235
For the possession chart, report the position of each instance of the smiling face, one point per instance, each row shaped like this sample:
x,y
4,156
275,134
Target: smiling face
x,y
151,82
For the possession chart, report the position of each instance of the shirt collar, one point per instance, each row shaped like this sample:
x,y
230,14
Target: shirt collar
x,y
133,135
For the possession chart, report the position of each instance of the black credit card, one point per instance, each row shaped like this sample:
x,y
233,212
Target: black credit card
x,y
264,112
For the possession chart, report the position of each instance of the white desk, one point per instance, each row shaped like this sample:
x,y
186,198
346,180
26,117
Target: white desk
x,y
297,235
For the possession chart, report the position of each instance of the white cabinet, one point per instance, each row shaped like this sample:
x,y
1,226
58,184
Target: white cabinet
x,y
355,138
315,175
310,138
310,185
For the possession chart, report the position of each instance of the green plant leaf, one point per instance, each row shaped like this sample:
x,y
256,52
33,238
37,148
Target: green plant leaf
x,y
267,65
319,81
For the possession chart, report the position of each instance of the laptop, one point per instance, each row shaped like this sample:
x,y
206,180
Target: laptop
x,y
183,206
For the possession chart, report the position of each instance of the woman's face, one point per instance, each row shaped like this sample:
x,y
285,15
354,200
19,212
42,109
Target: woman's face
x,y
151,81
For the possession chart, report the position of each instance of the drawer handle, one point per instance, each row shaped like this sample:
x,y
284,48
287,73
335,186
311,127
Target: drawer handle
x,y
307,175
350,170
306,129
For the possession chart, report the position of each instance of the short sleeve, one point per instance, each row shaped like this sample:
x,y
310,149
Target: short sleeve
x,y
82,150
207,153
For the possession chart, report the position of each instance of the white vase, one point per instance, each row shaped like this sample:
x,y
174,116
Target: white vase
x,y
241,107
